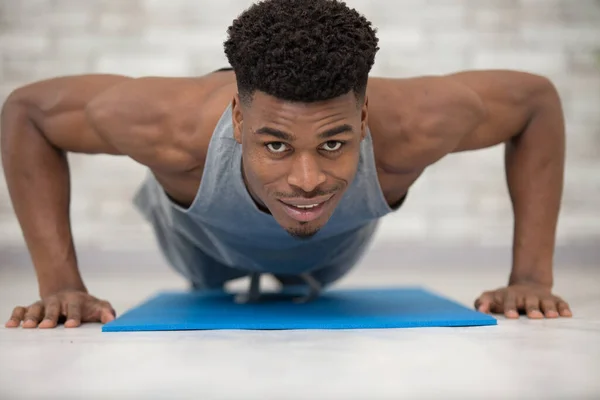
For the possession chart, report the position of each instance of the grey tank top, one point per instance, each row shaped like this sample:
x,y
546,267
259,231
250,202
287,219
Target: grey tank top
x,y
224,223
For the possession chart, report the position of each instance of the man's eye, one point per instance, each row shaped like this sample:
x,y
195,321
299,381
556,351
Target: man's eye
x,y
276,147
332,145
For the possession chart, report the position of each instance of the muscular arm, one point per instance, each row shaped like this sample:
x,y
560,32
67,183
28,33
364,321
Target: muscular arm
x,y
524,112
40,123
145,119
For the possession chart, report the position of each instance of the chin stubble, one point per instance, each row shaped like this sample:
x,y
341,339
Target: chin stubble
x,y
303,232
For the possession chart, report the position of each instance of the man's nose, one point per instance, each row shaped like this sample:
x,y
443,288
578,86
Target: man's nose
x,y
306,173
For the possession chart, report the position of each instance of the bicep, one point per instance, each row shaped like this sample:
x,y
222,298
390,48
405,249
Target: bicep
x,y
507,101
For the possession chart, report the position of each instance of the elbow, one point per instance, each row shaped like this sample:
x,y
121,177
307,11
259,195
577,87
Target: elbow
x,y
21,97
18,95
545,104
546,92
14,101
550,104
14,109
546,124
18,104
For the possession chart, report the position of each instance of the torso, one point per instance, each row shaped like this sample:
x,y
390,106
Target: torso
x,y
401,151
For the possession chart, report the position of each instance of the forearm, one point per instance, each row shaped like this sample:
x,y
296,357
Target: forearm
x,y
534,163
37,176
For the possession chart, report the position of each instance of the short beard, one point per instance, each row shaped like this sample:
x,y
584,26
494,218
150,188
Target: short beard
x,y
303,232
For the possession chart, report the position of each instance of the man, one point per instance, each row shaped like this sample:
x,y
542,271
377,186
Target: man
x,y
283,165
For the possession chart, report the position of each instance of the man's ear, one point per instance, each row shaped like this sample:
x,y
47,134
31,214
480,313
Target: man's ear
x,y
237,118
364,118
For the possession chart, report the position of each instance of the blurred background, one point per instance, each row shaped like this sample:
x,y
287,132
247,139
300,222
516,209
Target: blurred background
x,y
461,201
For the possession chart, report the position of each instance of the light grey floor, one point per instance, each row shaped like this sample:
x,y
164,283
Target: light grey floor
x,y
523,359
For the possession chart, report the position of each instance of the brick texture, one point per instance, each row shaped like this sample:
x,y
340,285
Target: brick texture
x,y
462,199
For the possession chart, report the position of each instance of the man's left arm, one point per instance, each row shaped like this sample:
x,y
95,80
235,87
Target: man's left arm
x,y
524,112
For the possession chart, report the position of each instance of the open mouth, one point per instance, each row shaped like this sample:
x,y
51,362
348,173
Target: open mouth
x,y
306,211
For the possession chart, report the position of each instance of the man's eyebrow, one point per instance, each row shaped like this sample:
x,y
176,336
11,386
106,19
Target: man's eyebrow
x,y
288,137
335,131
265,130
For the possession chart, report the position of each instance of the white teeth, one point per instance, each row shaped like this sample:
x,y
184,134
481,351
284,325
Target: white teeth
x,y
309,206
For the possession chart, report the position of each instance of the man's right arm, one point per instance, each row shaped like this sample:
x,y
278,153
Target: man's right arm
x,y
40,124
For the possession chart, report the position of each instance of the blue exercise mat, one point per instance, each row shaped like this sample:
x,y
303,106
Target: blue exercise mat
x,y
334,309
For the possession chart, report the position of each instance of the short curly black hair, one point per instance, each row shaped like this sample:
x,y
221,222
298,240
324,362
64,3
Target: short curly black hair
x,y
301,50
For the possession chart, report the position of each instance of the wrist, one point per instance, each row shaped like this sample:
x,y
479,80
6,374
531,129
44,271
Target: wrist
x,y
48,290
531,277
532,267
60,282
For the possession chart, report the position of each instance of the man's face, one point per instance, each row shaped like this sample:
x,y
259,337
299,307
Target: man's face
x,y
298,159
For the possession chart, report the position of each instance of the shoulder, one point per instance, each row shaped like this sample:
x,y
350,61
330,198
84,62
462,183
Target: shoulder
x,y
161,122
419,120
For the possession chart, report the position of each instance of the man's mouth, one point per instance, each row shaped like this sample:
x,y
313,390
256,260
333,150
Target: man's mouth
x,y
306,210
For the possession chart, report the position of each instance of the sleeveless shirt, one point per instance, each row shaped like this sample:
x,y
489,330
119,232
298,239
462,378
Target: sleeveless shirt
x,y
224,223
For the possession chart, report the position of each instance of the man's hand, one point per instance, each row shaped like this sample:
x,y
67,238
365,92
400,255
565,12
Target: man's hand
x,y
536,301
73,306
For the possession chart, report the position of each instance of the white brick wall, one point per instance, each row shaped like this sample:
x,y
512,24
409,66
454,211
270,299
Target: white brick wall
x,y
463,198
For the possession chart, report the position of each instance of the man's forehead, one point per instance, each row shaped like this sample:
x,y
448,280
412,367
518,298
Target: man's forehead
x,y
268,107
